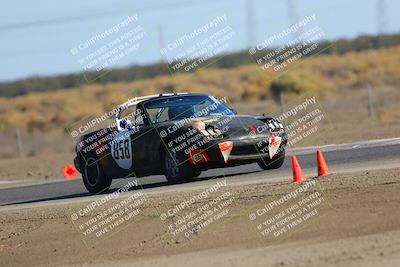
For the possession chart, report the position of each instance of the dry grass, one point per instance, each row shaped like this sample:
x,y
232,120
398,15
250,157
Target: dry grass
x,y
319,74
338,81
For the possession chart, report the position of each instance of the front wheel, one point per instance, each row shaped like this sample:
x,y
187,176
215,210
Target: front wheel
x,y
276,162
93,176
177,168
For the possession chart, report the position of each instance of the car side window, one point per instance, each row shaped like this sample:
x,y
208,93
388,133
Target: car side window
x,y
130,115
140,116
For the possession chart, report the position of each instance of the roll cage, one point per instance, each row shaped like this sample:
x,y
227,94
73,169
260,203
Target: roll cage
x,y
135,102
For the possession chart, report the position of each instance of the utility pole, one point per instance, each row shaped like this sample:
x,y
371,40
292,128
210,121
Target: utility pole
x,y
293,16
250,23
370,104
161,41
19,141
282,101
382,16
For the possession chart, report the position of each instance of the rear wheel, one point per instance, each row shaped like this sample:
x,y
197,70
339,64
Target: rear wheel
x,y
177,168
93,176
276,162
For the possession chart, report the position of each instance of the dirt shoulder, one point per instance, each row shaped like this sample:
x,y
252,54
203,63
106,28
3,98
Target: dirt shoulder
x,y
33,169
355,223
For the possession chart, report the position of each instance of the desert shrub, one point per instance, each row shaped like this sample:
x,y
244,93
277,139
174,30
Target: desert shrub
x,y
299,82
315,75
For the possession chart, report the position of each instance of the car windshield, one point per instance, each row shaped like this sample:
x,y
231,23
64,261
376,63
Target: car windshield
x,y
185,107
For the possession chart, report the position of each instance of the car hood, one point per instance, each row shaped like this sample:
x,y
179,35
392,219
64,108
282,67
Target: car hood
x,y
232,126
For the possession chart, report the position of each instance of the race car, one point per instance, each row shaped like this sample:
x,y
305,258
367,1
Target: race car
x,y
178,135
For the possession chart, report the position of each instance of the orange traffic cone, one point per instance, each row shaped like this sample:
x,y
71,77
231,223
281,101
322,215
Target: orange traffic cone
x,y
297,172
322,167
69,171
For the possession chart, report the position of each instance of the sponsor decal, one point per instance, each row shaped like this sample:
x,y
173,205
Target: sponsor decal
x,y
226,149
252,129
197,156
274,144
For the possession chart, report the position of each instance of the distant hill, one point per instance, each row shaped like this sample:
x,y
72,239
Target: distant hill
x,y
320,75
133,73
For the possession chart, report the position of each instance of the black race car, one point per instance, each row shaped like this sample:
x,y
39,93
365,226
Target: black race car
x,y
178,135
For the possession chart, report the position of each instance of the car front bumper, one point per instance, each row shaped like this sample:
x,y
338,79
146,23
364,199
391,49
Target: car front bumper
x,y
244,150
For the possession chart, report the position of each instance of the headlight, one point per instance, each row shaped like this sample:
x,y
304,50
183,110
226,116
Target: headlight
x,y
275,125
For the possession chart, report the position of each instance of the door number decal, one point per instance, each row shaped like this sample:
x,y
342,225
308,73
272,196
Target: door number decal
x,y
121,150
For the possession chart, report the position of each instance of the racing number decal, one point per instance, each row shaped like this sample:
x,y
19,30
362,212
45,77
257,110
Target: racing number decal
x,y
121,150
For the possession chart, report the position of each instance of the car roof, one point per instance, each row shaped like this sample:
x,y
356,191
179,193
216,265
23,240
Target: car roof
x,y
167,96
144,99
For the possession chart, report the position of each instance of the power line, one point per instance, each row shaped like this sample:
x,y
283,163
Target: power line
x,y
57,21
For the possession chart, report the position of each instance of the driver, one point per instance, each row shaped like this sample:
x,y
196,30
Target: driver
x,y
126,124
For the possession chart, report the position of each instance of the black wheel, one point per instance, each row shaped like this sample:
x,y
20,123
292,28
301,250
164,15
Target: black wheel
x,y
195,174
93,176
176,168
275,163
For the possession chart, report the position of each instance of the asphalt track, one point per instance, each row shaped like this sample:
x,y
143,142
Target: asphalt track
x,y
367,155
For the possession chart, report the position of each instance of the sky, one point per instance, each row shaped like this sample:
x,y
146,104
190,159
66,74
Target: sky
x,y
37,36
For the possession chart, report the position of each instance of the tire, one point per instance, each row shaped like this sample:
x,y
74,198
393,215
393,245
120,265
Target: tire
x,y
176,168
276,163
93,176
195,174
